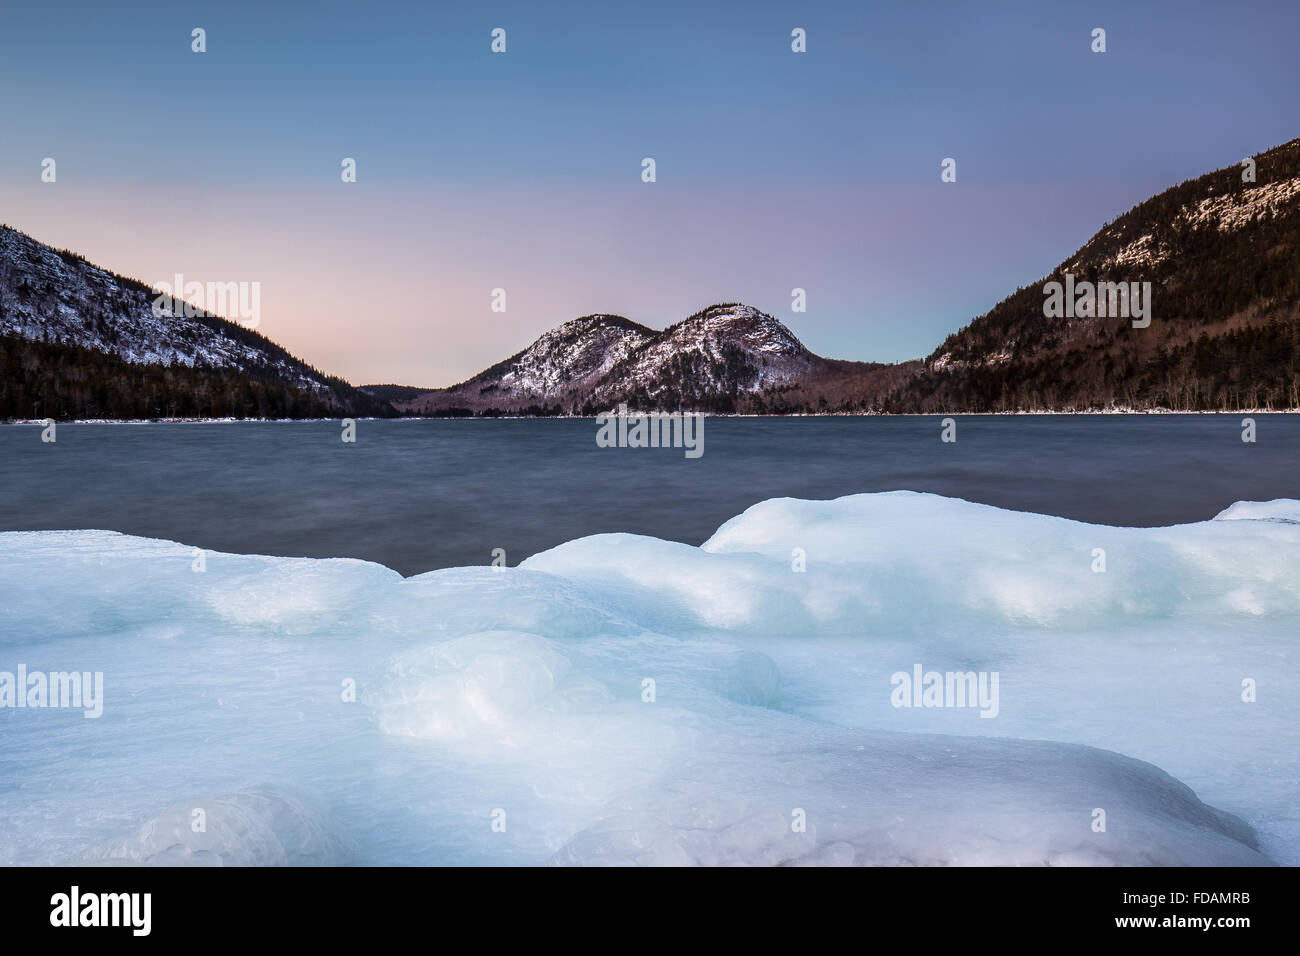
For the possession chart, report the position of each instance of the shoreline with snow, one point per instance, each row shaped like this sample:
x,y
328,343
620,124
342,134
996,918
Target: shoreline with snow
x,y
768,704
592,418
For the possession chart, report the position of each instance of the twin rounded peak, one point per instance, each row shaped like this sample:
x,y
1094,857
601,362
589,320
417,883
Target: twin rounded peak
x,y
728,318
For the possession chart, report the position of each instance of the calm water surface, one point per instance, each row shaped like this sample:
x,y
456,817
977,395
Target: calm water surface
x,y
418,495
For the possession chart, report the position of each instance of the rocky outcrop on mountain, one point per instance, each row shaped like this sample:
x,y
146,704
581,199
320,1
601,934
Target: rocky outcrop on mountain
x,y
1222,256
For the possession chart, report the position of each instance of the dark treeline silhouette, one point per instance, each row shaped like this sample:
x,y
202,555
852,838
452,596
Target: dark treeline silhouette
x,y
73,333
53,380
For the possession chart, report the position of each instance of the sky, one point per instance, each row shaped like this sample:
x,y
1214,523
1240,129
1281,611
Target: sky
x,y
522,170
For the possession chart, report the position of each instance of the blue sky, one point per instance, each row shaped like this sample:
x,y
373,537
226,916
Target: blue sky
x,y
522,170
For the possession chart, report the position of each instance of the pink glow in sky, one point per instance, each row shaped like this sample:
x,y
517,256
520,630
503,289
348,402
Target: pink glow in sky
x,y
394,284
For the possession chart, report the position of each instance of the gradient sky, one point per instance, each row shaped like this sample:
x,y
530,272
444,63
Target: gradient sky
x,y
522,170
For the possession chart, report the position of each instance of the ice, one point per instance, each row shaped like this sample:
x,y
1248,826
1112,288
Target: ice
x,y
259,827
621,699
1280,509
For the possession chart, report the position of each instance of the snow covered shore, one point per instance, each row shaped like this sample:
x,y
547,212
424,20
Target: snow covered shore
x,y
622,699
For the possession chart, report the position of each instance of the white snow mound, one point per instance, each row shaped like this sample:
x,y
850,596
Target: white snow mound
x,y
622,699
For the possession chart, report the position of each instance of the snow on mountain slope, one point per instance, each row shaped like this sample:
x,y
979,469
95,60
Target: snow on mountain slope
x,y
46,294
734,323
573,356
725,348
704,362
1227,212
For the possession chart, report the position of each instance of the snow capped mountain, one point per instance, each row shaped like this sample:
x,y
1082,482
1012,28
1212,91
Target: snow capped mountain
x,y
738,324
727,357
725,349
58,299
1220,256
574,356
58,296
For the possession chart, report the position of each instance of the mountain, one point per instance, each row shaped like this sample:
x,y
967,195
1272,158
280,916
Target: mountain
x,y
78,341
726,358
1223,260
1221,257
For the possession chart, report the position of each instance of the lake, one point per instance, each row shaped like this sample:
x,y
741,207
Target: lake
x,y
422,494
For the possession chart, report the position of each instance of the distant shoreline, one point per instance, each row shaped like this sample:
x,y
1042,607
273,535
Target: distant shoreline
x,y
592,418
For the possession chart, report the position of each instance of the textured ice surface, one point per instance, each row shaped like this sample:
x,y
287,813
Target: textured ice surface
x,y
501,715
258,827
